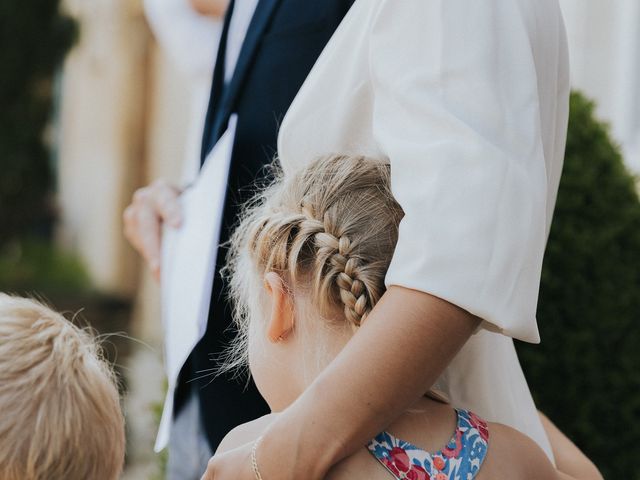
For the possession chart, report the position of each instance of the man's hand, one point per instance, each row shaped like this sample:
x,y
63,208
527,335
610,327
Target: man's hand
x,y
210,8
151,207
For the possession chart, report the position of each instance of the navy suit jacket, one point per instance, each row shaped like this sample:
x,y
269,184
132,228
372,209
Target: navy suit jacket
x,y
284,40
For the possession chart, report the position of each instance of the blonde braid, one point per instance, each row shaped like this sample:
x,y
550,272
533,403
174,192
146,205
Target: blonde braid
x,y
336,267
329,230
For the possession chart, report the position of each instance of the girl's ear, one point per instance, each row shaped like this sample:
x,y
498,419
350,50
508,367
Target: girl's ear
x,y
281,320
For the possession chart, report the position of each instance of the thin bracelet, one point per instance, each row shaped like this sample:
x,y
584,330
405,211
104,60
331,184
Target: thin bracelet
x,y
254,461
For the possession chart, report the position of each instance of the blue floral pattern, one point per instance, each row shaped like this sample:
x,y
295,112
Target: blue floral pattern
x,y
460,459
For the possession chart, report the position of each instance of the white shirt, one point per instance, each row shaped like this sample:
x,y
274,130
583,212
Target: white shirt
x,y
243,11
468,102
188,38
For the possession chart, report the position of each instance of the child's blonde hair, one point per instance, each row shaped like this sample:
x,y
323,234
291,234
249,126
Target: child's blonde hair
x,y
60,414
329,231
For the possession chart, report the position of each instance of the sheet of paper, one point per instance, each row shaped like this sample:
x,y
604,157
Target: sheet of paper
x,y
188,266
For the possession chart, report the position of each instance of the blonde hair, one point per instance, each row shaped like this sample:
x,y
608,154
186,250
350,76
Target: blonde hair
x,y
61,416
328,230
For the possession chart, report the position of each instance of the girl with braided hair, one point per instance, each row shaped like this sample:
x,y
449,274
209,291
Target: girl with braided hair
x,y
308,264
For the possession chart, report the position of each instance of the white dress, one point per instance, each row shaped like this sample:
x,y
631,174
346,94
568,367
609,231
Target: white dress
x,y
468,102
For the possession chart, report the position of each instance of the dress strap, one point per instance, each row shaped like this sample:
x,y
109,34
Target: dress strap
x,y
460,459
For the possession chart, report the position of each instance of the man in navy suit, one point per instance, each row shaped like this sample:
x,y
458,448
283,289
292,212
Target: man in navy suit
x,y
266,51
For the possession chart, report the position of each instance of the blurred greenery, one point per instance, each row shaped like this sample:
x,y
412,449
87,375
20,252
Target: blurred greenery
x,y
586,373
162,458
34,38
36,265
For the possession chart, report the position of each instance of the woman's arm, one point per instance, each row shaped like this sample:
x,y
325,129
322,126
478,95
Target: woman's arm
x,y
380,373
570,460
456,111
406,331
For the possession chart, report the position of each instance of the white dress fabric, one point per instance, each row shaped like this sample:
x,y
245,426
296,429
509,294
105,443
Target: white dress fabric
x,y
468,102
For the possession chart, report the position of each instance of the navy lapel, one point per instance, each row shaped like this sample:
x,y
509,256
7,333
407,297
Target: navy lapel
x,y
264,11
217,88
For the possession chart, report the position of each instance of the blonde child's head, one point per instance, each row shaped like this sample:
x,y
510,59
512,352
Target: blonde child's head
x,y
307,266
60,412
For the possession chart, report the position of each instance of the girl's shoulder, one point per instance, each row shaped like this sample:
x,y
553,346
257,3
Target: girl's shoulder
x,y
461,457
245,433
499,452
431,440
514,455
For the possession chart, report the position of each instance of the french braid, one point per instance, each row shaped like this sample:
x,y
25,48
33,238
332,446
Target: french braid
x,y
328,230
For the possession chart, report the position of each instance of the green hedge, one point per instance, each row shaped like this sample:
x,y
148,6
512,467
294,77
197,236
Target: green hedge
x,y
586,372
33,40
36,266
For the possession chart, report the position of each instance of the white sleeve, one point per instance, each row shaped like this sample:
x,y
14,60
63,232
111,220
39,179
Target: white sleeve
x,y
457,112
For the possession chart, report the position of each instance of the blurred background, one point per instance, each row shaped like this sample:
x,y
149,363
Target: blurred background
x,y
100,97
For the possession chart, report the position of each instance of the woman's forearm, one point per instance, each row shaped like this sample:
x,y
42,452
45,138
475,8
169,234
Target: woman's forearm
x,y
398,353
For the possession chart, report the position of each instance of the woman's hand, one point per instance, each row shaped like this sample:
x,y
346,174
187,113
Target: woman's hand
x,y
234,464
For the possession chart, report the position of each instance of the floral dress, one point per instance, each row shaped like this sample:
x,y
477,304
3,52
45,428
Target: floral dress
x,y
460,459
